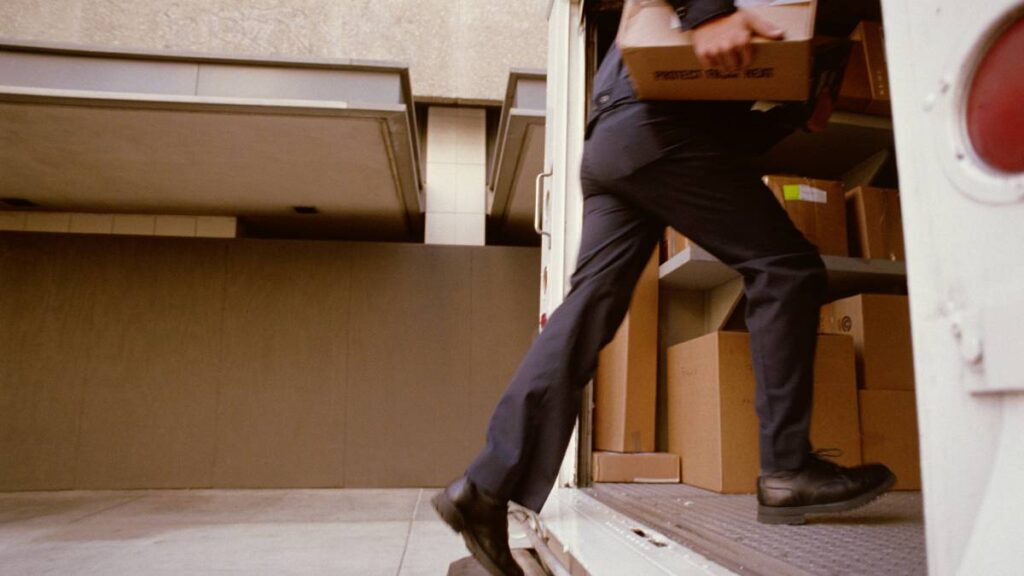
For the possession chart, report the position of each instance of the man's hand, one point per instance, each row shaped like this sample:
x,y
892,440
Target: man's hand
x,y
725,42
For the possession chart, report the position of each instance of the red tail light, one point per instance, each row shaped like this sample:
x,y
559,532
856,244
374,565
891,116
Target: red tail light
x,y
995,103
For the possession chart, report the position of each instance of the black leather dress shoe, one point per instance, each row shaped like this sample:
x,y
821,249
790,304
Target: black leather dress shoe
x,y
820,487
483,522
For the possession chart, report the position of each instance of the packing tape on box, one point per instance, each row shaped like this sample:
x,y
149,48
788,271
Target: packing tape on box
x,y
792,192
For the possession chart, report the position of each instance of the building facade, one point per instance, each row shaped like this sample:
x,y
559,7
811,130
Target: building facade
x,y
254,244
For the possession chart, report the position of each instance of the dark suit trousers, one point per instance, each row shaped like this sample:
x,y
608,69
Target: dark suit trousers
x,y
646,166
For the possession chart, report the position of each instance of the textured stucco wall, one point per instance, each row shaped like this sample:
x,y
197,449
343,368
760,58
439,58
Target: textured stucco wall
x,y
456,49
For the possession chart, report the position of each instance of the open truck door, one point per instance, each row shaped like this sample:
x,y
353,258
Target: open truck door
x,y
957,76
957,134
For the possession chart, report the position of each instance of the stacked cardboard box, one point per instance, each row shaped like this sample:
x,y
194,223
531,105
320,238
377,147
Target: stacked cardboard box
x,y
865,86
626,382
625,392
875,223
673,244
888,421
817,208
712,424
642,468
880,327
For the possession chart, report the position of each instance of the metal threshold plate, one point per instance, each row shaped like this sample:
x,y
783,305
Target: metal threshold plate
x,y
885,537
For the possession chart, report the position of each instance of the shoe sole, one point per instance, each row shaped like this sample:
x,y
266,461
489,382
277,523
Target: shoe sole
x,y
457,522
796,515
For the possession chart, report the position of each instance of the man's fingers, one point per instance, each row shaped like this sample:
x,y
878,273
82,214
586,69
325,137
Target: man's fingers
x,y
746,55
730,60
742,50
707,58
726,58
724,42
763,27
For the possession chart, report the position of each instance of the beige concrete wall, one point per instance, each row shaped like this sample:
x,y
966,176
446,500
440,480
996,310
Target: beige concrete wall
x,y
456,49
177,362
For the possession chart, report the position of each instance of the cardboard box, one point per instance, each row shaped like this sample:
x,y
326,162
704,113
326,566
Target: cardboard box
x,y
626,381
888,423
873,37
674,243
817,208
875,223
645,468
865,86
880,327
855,90
712,425
663,66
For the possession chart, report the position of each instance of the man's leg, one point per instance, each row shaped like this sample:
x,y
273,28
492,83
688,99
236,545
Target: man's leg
x,y
722,205
531,426
725,208
533,422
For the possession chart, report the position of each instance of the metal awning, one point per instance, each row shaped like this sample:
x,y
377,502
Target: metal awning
x,y
518,157
111,131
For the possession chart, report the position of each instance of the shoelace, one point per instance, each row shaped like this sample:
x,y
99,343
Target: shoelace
x,y
826,456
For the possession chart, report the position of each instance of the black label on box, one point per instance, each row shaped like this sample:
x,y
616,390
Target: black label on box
x,y
713,74
678,74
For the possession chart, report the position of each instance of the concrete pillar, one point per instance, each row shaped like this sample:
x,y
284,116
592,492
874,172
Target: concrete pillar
x,y
456,176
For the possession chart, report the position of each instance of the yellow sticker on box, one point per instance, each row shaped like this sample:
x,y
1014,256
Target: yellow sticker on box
x,y
802,192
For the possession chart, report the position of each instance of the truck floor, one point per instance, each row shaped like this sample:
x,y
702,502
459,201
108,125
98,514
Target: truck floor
x,y
885,537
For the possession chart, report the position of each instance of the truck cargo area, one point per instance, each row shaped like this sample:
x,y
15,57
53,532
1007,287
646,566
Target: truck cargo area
x,y
663,523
